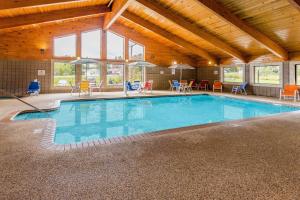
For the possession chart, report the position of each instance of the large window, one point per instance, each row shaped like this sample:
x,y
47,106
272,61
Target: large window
x,y
136,51
297,74
269,74
115,46
135,73
90,44
115,74
234,74
91,72
63,74
65,46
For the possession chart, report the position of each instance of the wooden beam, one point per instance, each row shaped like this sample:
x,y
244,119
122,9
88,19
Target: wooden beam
x,y
295,3
18,21
118,7
181,21
169,36
9,4
264,40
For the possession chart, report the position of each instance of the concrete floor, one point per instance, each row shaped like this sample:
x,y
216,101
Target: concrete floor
x,y
257,159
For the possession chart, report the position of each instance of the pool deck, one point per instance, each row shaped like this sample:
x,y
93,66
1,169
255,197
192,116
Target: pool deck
x,y
249,159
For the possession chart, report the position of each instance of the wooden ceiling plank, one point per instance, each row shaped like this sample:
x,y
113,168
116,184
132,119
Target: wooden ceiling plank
x,y
295,3
169,36
258,36
18,21
5,4
181,21
118,7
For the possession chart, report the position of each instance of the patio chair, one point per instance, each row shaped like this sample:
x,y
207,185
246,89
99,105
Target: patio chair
x,y
194,85
289,91
217,86
203,85
189,87
84,86
175,85
171,85
97,87
136,85
34,88
240,88
147,86
132,87
183,81
74,88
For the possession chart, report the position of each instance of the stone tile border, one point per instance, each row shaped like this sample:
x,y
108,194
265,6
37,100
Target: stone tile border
x,y
47,141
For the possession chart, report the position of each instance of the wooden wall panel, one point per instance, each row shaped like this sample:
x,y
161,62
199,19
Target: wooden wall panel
x,y
26,44
161,80
20,56
207,73
15,75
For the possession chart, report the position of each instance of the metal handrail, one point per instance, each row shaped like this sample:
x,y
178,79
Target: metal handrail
x,y
19,99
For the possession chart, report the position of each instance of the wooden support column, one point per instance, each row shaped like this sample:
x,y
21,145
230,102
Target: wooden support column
x,y
126,70
104,57
78,55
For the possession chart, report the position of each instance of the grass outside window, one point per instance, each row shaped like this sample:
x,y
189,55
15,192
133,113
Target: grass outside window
x,y
233,74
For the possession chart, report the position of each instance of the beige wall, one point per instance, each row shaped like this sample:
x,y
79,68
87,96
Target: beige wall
x,y
15,76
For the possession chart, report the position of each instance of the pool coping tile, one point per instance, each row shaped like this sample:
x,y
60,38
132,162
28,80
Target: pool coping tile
x,y
47,140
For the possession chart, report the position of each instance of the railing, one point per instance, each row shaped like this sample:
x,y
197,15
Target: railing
x,y
19,99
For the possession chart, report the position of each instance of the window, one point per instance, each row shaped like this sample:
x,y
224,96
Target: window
x,y
65,46
90,44
269,74
115,74
115,46
297,74
63,74
135,73
233,74
136,51
91,72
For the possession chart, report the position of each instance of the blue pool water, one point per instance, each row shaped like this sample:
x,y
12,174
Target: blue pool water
x,y
89,120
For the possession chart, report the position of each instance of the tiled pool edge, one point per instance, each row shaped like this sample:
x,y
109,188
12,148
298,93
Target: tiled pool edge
x,y
47,140
57,103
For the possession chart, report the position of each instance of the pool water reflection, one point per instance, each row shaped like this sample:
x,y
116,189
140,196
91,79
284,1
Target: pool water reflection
x,y
89,120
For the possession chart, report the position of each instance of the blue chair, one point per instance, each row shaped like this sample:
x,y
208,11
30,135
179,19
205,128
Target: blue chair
x,y
240,88
175,85
34,88
136,85
132,87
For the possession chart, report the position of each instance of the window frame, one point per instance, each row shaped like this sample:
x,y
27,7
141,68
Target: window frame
x,y
144,50
100,44
62,36
252,74
52,86
228,66
143,73
123,75
124,43
296,66
100,71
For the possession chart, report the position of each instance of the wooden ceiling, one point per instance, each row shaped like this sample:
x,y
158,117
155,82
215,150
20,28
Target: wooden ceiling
x,y
210,29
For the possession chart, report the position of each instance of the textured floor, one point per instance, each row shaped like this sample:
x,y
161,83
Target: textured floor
x,y
257,159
